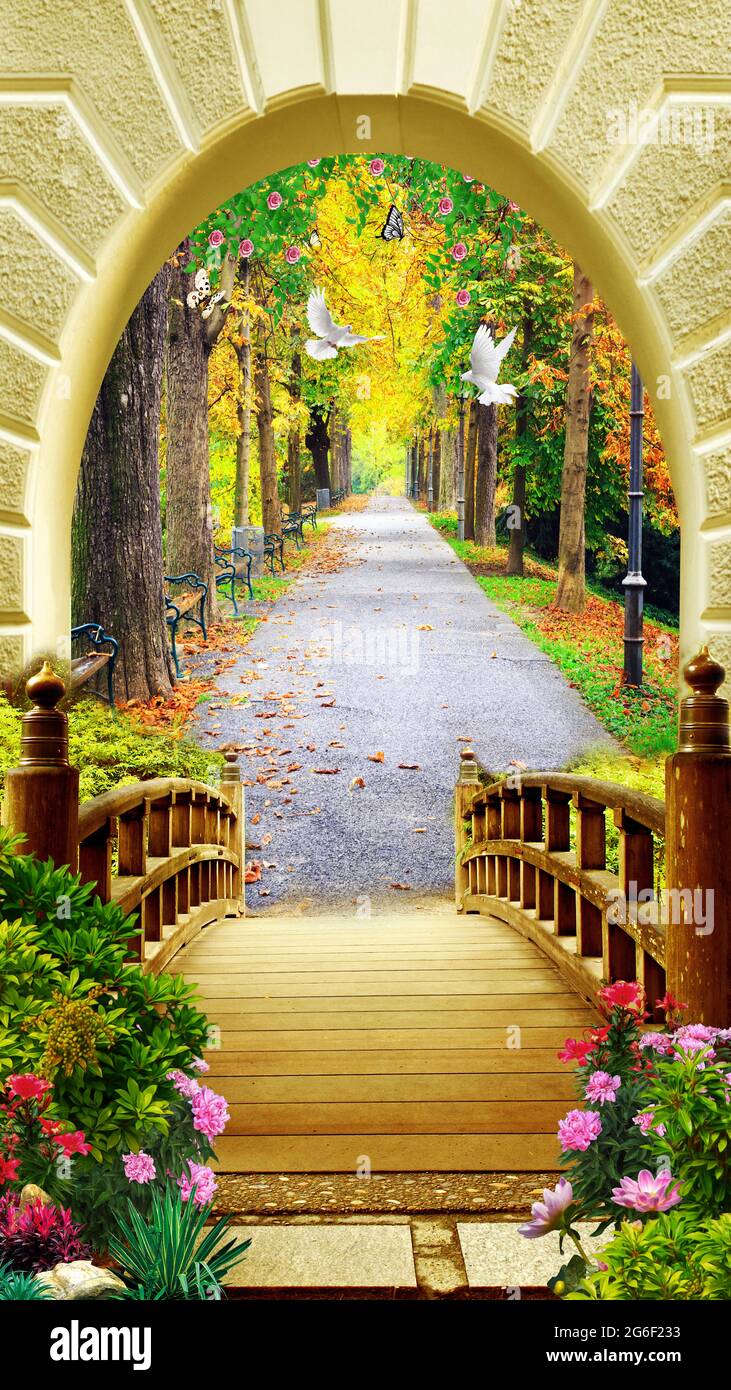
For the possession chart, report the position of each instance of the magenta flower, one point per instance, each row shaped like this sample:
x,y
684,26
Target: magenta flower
x,y
292,255
648,1192
186,1085
198,1064
578,1129
445,206
468,178
377,167
246,247
216,237
313,163
139,1167
657,1042
699,1032
623,994
576,1050
688,1047
602,1087
210,1112
199,1183
27,1086
274,201
463,298
646,1122
514,207
549,1214
459,251
72,1142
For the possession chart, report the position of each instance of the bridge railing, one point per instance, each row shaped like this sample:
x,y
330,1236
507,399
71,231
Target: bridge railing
x,y
169,850
531,849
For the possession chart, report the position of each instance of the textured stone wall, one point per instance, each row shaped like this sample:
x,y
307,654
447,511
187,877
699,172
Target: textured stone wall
x,y
123,121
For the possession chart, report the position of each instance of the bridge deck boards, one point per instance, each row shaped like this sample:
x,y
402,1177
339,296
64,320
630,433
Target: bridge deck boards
x,y
416,1042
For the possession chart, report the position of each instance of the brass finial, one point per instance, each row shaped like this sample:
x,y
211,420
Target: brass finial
x,y
231,772
44,739
704,716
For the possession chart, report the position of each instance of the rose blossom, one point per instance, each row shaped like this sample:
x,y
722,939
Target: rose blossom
x,y
210,1112
578,1129
463,298
657,1042
459,251
274,201
445,206
246,247
186,1085
648,1192
602,1087
548,1215
292,255
377,167
215,238
26,1086
139,1167
623,995
199,1183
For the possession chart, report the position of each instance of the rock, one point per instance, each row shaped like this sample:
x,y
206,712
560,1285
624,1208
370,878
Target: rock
x,y
33,1193
80,1279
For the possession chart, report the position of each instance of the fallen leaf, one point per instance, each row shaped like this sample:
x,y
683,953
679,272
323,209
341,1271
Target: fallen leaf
x,y
266,839
253,872
402,887
375,757
419,829
410,767
326,771
356,782
254,820
424,627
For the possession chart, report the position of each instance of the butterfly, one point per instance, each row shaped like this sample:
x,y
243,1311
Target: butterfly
x,y
202,292
393,227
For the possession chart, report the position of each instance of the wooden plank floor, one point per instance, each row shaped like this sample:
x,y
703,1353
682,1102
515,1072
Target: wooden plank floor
x,y
410,1042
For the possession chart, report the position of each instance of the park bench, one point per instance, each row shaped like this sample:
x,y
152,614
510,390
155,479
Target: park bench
x,y
309,513
182,606
234,563
273,542
337,497
85,666
292,525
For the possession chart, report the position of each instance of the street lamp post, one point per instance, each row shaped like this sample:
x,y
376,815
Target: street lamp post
x,y
460,471
633,583
430,475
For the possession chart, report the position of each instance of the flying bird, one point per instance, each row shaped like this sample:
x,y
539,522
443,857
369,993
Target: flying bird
x,y
485,359
331,336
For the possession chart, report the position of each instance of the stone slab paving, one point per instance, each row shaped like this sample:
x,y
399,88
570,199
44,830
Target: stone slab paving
x,y
325,1257
496,1255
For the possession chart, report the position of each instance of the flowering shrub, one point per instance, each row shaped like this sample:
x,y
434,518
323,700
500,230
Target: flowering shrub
x,y
655,1131
671,1258
38,1236
32,1142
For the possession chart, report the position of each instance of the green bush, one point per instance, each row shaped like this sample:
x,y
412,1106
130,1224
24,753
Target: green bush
x,y
172,1255
673,1257
111,747
17,1285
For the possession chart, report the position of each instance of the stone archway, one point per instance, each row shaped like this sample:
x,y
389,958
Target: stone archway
x,y
122,123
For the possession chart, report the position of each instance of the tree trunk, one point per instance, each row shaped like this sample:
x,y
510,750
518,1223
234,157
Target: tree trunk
x,y
517,519
270,507
189,541
317,440
294,471
449,447
486,474
243,409
570,593
335,449
116,541
437,468
469,473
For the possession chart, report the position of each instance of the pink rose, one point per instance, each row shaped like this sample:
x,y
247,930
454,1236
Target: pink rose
x,y
274,201
459,251
139,1167
463,298
578,1129
445,206
246,247
292,255
199,1183
215,238
377,167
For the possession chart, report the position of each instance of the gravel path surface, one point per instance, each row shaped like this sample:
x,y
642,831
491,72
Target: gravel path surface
x,y
399,653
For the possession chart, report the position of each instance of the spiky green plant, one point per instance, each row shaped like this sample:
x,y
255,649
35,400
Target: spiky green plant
x,y
17,1286
171,1254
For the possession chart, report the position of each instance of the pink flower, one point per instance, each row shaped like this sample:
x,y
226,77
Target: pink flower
x,y
648,1192
313,163
139,1167
26,1086
602,1087
199,1183
548,1215
215,238
210,1112
186,1085
246,247
624,995
198,1064
468,178
463,298
646,1122
688,1047
292,255
578,1129
72,1142
669,1004
698,1032
513,207
274,201
377,167
576,1050
657,1042
8,1169
459,251
445,206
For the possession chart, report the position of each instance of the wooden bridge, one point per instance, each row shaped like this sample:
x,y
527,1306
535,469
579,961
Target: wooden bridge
x,y
422,1041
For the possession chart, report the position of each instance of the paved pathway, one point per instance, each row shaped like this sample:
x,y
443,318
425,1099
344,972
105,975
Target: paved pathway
x,y
398,653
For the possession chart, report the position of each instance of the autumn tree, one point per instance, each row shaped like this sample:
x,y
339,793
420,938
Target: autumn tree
x,y
570,593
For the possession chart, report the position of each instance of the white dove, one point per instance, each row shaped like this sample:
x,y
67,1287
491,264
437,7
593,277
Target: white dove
x,y
330,335
485,359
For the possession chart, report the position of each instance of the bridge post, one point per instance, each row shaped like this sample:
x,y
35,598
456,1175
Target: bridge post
x,y
232,788
467,784
42,793
698,814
